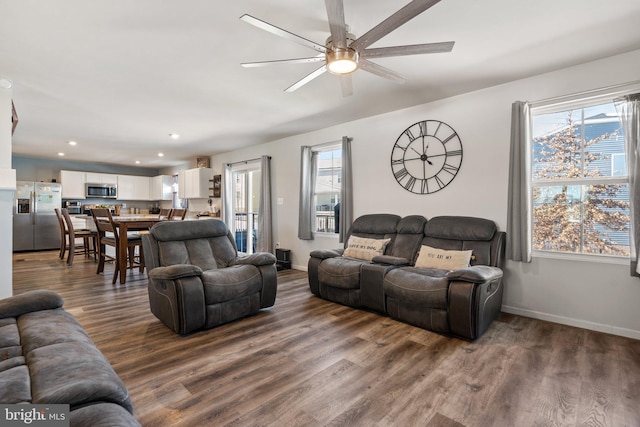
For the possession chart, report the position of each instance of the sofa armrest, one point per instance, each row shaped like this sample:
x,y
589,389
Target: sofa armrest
x,y
326,253
28,302
391,260
475,299
173,272
257,259
475,274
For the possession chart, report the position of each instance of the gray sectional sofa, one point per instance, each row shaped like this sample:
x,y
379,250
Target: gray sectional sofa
x,y
443,274
46,357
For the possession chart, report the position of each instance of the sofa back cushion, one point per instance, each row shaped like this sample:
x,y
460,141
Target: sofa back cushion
x,y
409,234
459,233
205,243
375,226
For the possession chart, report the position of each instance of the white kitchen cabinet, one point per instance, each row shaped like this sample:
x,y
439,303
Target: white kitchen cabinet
x,y
73,184
162,187
101,178
132,187
194,183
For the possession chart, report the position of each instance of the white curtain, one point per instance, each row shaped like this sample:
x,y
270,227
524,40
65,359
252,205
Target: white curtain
x,y
265,233
629,109
346,190
307,211
519,205
227,198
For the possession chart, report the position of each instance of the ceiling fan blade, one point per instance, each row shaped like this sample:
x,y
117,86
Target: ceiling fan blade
x,y
282,33
306,79
319,58
381,71
411,10
414,49
335,12
346,85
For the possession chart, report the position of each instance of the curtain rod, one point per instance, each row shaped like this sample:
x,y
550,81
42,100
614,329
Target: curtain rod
x,y
246,161
330,143
623,87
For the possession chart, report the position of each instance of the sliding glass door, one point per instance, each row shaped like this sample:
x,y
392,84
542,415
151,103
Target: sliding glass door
x,y
245,202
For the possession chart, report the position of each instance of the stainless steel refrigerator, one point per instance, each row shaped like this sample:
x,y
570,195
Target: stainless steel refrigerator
x,y
35,225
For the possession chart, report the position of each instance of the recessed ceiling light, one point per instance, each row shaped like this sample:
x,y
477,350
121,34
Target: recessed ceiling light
x,y
137,162
60,154
160,154
6,83
73,143
174,136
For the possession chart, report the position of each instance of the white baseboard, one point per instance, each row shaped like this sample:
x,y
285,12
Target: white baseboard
x,y
585,324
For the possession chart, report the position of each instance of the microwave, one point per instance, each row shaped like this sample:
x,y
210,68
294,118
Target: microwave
x,y
102,191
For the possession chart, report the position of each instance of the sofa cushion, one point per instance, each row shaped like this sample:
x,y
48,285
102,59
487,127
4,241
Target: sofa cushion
x,y
74,373
205,243
227,284
47,327
365,249
410,232
340,272
102,415
15,382
429,257
29,301
460,228
9,339
419,287
375,226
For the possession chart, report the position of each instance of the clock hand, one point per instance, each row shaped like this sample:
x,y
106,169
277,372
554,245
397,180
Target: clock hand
x,y
416,151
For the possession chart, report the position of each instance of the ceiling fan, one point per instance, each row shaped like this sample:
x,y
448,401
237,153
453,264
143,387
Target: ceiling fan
x,y
343,53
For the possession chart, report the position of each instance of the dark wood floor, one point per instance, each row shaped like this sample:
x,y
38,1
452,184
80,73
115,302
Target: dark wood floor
x,y
311,362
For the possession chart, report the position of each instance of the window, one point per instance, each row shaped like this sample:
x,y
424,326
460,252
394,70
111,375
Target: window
x,y
327,188
580,193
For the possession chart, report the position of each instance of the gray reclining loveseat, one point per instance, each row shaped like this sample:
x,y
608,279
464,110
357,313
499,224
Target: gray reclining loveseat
x,y
198,281
395,280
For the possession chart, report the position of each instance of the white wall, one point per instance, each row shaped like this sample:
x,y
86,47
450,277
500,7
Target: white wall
x,y
7,188
596,296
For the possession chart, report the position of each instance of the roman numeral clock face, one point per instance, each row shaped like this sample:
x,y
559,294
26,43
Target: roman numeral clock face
x,y
426,157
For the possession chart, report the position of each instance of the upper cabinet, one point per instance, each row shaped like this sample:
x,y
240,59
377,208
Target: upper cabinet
x,y
101,178
73,184
162,187
194,183
132,187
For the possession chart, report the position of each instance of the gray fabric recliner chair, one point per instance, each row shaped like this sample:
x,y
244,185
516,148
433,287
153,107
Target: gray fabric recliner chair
x,y
198,281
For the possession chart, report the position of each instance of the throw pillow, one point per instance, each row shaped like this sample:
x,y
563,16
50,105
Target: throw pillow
x,y
441,259
365,249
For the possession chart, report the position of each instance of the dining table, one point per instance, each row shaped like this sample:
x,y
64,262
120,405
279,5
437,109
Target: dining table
x,y
126,224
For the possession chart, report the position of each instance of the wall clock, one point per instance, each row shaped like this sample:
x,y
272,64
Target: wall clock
x,y
426,157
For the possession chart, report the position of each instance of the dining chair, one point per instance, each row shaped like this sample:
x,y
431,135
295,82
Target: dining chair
x,y
178,213
164,213
89,238
108,235
63,233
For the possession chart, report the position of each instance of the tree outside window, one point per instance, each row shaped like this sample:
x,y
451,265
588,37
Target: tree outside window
x,y
580,194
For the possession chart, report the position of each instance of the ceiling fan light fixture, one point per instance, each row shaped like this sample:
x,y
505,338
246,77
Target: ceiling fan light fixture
x,y
342,60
